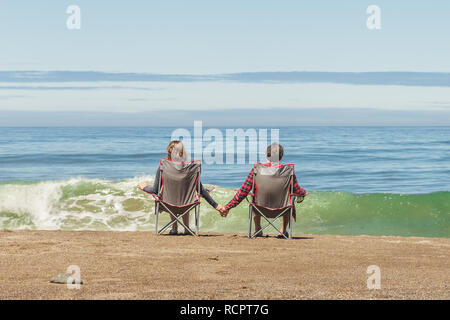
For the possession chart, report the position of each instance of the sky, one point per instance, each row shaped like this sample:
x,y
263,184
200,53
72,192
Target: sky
x,y
210,57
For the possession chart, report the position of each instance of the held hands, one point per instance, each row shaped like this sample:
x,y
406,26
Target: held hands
x,y
223,212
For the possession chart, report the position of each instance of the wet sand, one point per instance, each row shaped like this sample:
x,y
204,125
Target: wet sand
x,y
141,265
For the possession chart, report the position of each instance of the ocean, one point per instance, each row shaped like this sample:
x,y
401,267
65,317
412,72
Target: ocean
x,y
361,180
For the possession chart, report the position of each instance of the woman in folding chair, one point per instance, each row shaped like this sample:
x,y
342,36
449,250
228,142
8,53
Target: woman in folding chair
x,y
274,154
176,152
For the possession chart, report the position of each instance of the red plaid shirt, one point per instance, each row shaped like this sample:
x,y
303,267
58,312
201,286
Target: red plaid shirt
x,y
247,187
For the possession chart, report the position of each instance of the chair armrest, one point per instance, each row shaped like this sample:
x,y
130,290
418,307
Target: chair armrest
x,y
152,194
209,189
298,198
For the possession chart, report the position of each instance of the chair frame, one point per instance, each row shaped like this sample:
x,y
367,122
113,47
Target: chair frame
x,y
177,218
254,206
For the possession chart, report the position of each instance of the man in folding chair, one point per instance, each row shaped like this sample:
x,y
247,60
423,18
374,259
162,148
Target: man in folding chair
x,y
275,188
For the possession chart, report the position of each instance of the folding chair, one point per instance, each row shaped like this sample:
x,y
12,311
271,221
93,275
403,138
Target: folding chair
x,y
177,194
273,195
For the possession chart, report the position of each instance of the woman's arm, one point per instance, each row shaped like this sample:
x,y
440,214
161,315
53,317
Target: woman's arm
x,y
153,190
205,194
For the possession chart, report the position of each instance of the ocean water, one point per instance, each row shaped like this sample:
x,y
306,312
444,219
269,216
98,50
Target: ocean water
x,y
362,180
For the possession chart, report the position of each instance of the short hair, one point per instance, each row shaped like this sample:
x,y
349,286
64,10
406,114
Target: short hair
x,y
274,152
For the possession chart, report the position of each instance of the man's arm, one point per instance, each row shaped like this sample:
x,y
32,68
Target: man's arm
x,y
242,192
298,191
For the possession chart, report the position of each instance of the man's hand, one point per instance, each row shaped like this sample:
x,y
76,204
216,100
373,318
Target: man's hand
x,y
142,185
223,211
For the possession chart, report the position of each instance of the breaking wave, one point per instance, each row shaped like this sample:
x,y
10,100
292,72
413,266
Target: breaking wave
x,y
95,204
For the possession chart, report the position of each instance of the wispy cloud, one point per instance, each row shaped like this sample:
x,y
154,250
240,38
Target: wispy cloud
x,y
354,78
247,117
39,88
13,96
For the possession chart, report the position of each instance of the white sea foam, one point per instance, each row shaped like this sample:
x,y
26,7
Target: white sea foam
x,y
96,204
76,204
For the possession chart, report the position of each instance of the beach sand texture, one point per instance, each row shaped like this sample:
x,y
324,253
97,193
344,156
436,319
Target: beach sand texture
x,y
141,265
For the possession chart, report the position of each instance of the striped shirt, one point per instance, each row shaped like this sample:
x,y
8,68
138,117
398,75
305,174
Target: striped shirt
x,y
247,187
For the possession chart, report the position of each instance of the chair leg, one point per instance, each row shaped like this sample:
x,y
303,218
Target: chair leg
x,y
177,219
197,219
271,223
171,223
250,221
290,224
156,218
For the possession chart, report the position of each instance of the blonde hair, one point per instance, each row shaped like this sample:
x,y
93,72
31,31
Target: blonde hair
x,y
175,150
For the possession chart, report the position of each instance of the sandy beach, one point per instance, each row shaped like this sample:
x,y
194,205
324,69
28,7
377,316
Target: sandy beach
x,y
141,265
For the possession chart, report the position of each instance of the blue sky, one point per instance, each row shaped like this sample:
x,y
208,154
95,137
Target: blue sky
x,y
213,38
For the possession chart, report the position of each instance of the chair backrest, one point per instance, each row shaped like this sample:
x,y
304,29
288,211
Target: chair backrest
x,y
273,185
179,182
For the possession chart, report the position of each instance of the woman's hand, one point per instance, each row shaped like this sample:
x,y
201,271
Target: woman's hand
x,y
142,185
222,210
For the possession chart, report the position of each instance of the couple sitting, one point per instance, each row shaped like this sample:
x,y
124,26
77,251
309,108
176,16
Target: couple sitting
x,y
274,154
